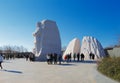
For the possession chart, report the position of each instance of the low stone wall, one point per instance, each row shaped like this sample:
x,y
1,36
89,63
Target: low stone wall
x,y
113,52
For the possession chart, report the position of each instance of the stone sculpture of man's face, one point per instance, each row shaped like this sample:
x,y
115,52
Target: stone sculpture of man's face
x,y
39,27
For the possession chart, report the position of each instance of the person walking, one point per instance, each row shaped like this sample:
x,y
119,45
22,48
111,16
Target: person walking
x,y
48,58
51,58
70,57
60,58
27,57
1,60
90,55
65,58
74,56
55,58
93,56
82,57
78,57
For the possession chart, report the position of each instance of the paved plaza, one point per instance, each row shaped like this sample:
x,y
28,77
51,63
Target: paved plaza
x,y
22,71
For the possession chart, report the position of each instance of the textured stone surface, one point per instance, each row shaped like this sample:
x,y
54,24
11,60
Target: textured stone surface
x,y
92,45
22,71
47,39
73,47
114,52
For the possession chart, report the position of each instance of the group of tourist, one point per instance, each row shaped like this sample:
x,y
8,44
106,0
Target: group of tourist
x,y
8,56
68,57
53,58
30,57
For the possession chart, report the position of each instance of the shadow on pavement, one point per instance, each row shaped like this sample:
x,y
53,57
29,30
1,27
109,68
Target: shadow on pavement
x,y
7,62
88,61
85,61
67,64
13,71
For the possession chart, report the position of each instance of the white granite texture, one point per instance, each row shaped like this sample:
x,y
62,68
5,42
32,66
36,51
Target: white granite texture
x,y
92,45
47,39
73,47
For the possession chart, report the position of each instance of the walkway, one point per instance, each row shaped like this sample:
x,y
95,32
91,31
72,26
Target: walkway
x,y
21,71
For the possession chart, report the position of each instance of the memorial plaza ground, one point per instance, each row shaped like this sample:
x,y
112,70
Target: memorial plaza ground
x,y
22,71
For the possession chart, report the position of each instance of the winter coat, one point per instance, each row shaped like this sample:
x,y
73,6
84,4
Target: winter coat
x,y
1,58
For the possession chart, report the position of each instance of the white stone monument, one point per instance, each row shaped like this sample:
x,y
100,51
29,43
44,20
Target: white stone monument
x,y
73,47
47,39
92,45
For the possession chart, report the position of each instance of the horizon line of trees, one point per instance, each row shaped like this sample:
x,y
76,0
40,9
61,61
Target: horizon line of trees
x,y
12,52
12,49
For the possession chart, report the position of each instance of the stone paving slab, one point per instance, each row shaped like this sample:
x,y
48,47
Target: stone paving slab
x,y
21,71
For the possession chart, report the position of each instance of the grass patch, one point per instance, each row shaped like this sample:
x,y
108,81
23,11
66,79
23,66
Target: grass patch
x,y
110,67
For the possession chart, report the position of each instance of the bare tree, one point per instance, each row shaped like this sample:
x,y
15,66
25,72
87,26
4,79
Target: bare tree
x,y
13,49
1,50
7,49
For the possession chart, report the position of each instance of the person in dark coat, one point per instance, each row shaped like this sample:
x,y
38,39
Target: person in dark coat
x,y
51,58
90,55
27,57
82,57
93,56
69,57
60,59
55,58
78,56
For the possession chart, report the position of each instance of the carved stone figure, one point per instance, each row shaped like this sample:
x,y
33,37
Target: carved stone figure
x,y
46,39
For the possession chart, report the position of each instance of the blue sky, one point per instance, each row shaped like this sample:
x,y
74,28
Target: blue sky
x,y
75,18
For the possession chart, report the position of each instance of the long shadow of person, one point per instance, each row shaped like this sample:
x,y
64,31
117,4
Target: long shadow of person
x,y
13,71
67,65
89,61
